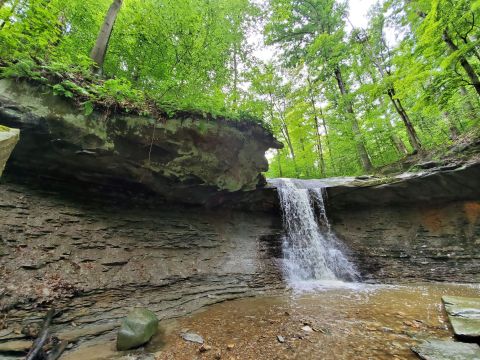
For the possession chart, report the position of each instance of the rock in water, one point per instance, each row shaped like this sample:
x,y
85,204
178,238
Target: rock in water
x,y
137,329
464,315
192,337
447,350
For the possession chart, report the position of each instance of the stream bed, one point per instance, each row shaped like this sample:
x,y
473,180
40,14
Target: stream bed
x,y
350,322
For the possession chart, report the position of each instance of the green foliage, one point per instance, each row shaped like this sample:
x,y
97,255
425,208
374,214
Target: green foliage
x,y
419,80
336,96
177,54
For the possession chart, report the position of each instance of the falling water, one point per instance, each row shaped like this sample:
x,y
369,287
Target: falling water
x,y
310,248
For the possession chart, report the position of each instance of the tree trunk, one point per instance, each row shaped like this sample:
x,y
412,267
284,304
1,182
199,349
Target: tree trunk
x,y
279,163
235,76
472,75
317,130
329,147
412,134
468,106
454,132
100,49
361,150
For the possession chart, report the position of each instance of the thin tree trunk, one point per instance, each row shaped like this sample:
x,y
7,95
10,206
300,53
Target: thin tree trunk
x,y
285,132
100,49
412,134
329,147
397,104
472,75
317,130
235,76
361,150
394,139
454,132
468,104
279,163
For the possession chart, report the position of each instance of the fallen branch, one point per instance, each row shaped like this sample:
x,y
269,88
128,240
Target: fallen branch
x,y
42,337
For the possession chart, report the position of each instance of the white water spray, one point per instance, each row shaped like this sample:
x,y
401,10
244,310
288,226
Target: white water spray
x,y
311,250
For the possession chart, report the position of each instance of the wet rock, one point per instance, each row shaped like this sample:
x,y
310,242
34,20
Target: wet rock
x,y
447,350
464,315
137,329
192,337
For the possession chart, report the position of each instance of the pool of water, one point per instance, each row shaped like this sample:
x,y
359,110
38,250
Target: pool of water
x,y
327,321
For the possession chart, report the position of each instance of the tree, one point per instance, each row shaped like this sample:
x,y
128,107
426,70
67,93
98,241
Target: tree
x,y
314,31
101,44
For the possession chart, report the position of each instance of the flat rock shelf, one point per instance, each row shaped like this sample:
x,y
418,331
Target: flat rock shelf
x,y
464,316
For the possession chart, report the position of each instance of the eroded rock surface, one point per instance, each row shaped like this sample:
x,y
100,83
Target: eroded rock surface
x,y
188,158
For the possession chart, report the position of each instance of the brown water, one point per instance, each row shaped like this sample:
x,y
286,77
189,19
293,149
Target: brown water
x,y
372,322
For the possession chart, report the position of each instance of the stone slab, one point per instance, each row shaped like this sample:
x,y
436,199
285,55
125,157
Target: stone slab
x,y
464,315
447,350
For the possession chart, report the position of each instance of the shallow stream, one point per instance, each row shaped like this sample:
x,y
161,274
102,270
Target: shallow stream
x,y
352,322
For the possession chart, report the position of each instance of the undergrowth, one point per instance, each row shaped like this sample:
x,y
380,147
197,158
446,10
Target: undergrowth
x,y
91,92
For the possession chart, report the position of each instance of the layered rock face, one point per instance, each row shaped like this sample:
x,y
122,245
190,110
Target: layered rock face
x,y
188,158
419,227
435,242
96,260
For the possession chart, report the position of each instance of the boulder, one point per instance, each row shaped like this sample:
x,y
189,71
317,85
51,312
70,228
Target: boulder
x,y
447,350
464,315
137,329
8,140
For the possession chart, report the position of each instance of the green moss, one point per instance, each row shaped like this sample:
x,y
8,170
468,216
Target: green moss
x,y
4,128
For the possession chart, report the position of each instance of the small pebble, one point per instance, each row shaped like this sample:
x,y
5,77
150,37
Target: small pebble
x,y
204,348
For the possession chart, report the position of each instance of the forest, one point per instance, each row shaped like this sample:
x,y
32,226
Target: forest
x,y
344,100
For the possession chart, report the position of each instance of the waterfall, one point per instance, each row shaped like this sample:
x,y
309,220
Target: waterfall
x,y
310,248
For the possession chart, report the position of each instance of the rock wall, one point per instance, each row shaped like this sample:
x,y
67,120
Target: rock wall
x,y
420,227
94,260
433,242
